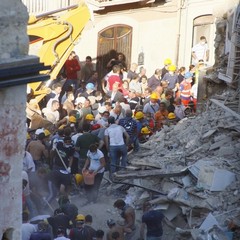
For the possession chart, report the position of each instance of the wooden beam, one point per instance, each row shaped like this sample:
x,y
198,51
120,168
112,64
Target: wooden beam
x,y
148,173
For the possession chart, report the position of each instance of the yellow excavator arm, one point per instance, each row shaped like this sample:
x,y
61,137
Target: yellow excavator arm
x,y
52,38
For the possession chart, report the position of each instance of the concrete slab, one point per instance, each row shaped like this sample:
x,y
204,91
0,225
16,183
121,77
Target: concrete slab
x,y
209,133
220,143
209,222
226,151
221,179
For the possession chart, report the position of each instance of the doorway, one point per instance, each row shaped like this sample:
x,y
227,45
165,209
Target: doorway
x,y
112,40
204,26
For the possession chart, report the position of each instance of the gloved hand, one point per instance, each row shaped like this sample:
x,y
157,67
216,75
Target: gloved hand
x,y
69,170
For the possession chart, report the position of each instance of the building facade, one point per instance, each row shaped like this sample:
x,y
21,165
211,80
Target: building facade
x,y
147,32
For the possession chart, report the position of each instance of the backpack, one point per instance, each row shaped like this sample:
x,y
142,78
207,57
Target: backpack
x,y
81,234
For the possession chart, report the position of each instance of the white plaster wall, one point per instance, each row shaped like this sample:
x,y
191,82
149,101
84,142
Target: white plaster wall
x,y
156,29
149,33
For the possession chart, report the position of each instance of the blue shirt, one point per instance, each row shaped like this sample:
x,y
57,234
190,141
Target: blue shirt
x,y
153,220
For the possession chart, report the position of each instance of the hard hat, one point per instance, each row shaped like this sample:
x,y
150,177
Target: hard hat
x,y
154,96
38,131
62,126
80,100
171,116
167,61
188,75
28,136
78,178
145,130
139,115
80,218
89,117
72,119
90,86
102,109
47,133
172,68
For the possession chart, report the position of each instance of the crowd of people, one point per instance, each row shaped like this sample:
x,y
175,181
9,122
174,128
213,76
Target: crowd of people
x,y
87,126
68,224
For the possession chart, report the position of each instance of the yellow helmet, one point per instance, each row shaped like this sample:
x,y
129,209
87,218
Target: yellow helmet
x,y
62,126
145,130
139,115
154,96
72,119
78,178
89,117
80,217
171,116
172,68
167,61
28,136
47,133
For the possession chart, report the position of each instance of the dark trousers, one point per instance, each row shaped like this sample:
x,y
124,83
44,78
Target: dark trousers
x,y
92,190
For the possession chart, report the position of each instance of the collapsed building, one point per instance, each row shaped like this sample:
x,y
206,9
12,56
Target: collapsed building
x,y
191,170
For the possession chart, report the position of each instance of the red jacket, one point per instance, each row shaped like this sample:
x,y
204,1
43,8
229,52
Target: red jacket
x,y
71,68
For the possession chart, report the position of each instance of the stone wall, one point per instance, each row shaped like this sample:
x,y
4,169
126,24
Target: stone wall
x,y
13,44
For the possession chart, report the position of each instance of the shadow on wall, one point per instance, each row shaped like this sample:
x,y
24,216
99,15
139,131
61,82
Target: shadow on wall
x,y
103,60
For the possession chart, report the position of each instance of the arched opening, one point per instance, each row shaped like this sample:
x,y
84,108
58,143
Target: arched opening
x,y
112,40
204,26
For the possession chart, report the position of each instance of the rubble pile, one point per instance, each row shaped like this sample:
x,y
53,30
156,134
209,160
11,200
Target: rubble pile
x,y
191,172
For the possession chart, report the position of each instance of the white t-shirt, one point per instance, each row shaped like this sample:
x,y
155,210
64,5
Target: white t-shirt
x,y
115,134
61,238
102,122
200,51
95,160
28,164
194,90
27,230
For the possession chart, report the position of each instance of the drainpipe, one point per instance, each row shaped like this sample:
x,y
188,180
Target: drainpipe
x,y
179,18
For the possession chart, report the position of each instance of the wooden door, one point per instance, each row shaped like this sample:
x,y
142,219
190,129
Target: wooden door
x,y
112,40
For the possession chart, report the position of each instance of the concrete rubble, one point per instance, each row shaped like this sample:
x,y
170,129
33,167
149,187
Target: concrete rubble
x,y
191,172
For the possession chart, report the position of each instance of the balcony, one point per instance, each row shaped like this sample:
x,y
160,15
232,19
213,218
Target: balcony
x,y
101,4
41,6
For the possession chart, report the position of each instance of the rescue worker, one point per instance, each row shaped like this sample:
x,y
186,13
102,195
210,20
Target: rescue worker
x,y
128,214
59,220
152,106
160,116
172,78
114,227
185,89
80,232
167,62
114,142
152,219
67,207
95,163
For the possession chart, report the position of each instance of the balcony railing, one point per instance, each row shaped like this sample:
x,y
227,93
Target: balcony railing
x,y
42,6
